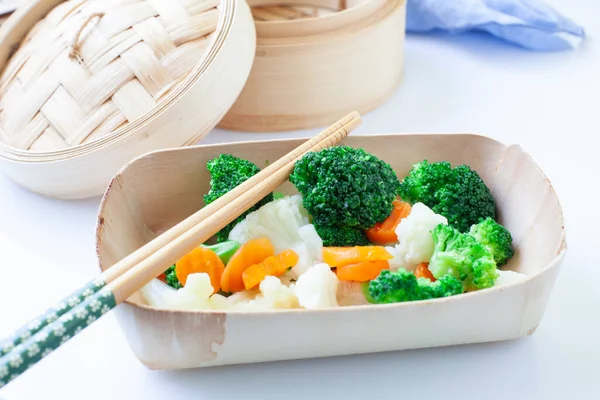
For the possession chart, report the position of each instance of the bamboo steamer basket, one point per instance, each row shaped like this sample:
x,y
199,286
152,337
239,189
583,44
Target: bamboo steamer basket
x,y
88,85
316,59
157,199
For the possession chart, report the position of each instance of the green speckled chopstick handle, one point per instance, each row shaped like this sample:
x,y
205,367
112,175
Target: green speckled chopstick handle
x,y
37,324
54,334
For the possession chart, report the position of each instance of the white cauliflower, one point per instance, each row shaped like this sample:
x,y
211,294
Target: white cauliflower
x,y
285,223
415,240
508,277
273,295
193,296
317,288
278,220
197,294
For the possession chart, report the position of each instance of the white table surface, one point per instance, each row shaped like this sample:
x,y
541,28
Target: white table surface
x,y
548,103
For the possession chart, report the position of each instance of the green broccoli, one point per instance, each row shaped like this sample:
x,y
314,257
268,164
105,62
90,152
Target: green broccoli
x,y
401,286
345,187
458,194
171,278
342,236
224,250
496,238
460,255
226,173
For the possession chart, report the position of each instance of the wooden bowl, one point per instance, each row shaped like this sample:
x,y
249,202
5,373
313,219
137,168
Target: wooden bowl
x,y
314,63
89,85
158,190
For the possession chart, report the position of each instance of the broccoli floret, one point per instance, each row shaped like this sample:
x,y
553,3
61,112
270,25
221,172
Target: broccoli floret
x,y
342,236
459,194
171,278
460,255
401,286
226,173
344,186
496,238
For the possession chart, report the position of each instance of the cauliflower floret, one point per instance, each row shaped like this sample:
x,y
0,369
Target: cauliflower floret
x,y
193,296
285,223
415,240
508,277
278,221
197,294
273,295
317,287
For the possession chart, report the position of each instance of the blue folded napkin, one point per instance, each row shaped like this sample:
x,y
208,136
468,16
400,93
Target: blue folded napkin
x,y
528,23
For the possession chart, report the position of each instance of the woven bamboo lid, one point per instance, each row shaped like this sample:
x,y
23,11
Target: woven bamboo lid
x,y
90,67
88,85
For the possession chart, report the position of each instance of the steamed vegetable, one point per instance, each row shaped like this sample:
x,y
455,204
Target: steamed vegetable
x,y
496,238
460,255
341,256
317,288
385,232
274,266
342,236
345,187
223,250
226,173
252,252
459,194
199,260
354,235
170,278
362,271
285,223
197,294
422,271
272,294
414,235
400,286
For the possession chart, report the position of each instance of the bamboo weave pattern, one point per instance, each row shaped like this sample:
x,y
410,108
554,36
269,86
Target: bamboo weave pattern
x,y
56,92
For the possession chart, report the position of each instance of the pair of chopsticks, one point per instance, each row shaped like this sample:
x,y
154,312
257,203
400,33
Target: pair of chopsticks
x,y
57,325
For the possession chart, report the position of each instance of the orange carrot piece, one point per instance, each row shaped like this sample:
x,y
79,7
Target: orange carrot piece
x,y
385,232
363,271
274,266
340,256
252,252
423,271
200,260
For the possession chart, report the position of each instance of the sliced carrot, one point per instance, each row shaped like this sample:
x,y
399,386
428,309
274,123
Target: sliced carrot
x,y
385,232
340,256
274,266
252,252
200,260
423,271
363,271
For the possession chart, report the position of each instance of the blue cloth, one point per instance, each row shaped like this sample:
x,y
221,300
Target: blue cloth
x,y
527,23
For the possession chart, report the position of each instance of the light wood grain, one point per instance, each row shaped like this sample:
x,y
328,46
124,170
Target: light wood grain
x,y
155,75
302,64
84,57
157,191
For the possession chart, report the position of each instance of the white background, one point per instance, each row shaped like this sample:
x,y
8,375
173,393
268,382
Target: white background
x,y
548,103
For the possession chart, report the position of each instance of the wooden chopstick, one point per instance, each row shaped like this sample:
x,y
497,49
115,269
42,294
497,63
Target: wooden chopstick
x,y
44,334
89,289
